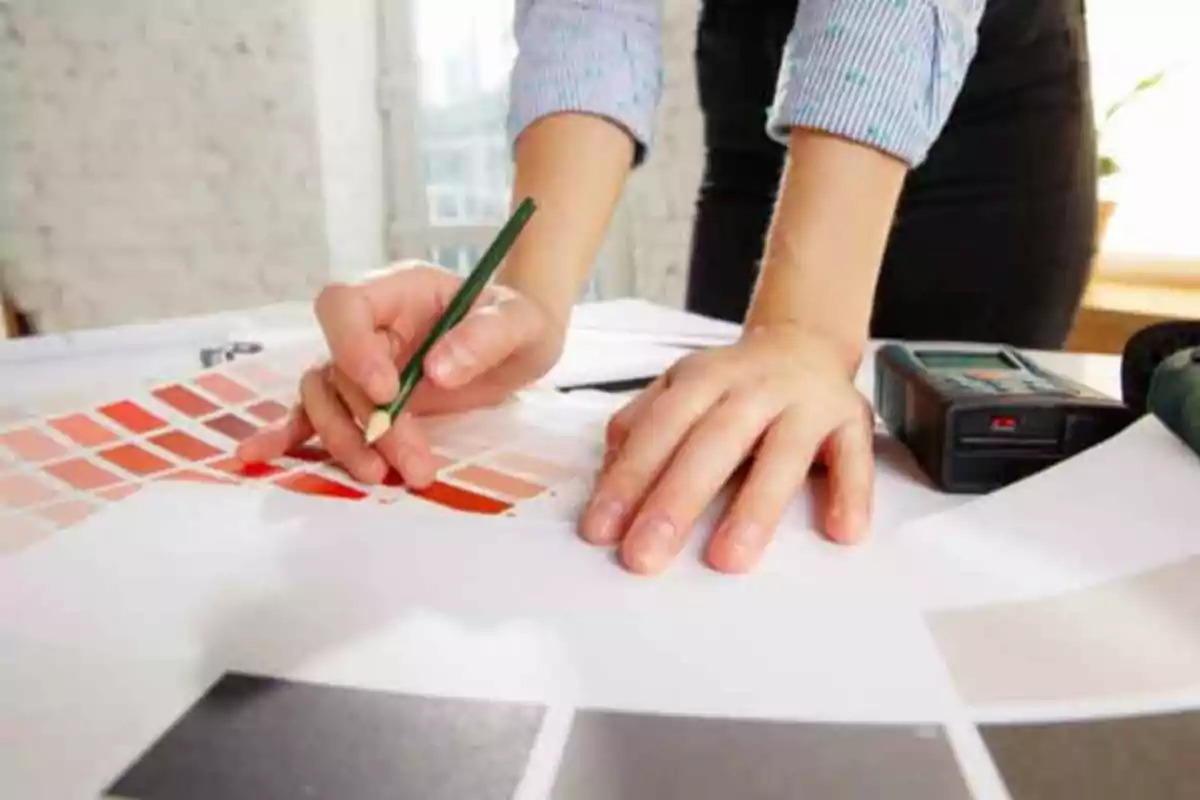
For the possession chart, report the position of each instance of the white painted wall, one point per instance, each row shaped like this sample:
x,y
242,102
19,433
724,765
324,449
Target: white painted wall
x,y
345,39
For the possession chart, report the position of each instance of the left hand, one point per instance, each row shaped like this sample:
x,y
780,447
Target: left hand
x,y
781,396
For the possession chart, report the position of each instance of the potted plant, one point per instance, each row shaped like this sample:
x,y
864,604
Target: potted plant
x,y
1108,166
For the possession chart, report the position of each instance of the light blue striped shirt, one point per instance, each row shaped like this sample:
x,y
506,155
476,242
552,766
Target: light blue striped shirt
x,y
881,72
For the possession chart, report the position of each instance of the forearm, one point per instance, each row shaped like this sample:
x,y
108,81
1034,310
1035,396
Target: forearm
x,y
827,239
574,166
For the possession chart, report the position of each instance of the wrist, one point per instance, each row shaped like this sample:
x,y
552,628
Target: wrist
x,y
789,298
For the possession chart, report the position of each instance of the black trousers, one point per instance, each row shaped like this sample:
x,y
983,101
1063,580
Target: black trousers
x,y
995,231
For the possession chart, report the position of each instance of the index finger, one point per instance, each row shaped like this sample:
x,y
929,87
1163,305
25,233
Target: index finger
x,y
360,347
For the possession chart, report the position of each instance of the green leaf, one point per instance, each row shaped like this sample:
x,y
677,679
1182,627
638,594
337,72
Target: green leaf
x,y
1146,84
1108,166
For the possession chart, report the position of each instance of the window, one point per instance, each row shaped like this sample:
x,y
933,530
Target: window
x,y
1153,139
446,65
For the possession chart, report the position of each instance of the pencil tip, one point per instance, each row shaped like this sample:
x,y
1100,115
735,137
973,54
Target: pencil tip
x,y
377,426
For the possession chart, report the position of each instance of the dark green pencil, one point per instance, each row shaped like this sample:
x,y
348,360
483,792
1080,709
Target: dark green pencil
x,y
459,305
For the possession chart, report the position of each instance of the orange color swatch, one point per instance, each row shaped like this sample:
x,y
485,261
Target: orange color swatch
x,y
195,476
497,482
255,373
120,492
67,513
132,417
31,445
545,469
83,430
82,474
135,459
268,411
307,483
185,401
17,533
226,389
232,426
185,446
22,491
461,499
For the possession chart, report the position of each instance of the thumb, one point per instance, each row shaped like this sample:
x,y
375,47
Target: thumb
x,y
486,337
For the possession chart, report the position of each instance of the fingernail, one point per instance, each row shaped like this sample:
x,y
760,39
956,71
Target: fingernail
x,y
455,362
742,539
651,544
603,519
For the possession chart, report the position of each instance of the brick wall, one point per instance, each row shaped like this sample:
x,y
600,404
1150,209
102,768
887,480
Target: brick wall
x,y
661,196
157,157
166,157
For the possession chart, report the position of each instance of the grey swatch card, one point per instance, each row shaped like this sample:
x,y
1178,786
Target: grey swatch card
x,y
619,756
1129,758
268,739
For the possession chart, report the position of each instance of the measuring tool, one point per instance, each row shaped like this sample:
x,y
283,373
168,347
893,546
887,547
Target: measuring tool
x,y
980,418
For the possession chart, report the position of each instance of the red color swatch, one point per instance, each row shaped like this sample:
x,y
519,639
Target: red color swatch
x,y
32,445
132,417
220,386
237,468
268,411
309,453
307,483
83,475
136,460
185,446
185,401
83,430
234,427
462,500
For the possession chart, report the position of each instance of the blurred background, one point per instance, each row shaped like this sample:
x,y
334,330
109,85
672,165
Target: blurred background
x,y
171,157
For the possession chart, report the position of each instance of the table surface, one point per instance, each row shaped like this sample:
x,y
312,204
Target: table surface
x,y
132,353
88,696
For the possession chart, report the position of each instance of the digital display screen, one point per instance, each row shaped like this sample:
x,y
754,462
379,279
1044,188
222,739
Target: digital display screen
x,y
949,359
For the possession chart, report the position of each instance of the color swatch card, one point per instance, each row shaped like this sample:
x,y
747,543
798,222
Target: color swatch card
x,y
61,467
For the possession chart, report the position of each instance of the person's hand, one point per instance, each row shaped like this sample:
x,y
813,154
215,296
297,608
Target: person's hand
x,y
505,342
781,397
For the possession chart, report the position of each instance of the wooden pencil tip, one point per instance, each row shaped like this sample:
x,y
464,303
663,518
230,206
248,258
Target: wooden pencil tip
x,y
377,426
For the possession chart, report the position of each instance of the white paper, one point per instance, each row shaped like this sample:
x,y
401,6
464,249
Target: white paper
x,y
597,356
645,321
1125,506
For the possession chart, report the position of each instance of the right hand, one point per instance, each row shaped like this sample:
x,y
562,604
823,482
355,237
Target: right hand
x,y
505,342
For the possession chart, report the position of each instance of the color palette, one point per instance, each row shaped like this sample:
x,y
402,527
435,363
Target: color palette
x,y
1139,635
58,469
622,756
1102,759
258,738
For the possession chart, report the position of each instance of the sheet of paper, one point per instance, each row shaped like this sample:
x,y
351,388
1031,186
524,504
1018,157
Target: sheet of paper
x,y
597,356
1117,509
645,321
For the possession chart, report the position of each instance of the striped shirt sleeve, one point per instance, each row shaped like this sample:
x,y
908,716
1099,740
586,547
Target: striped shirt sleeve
x,y
881,72
599,57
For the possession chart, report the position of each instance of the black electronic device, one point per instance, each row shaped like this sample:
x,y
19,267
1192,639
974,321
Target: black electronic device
x,y
1160,374
980,418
